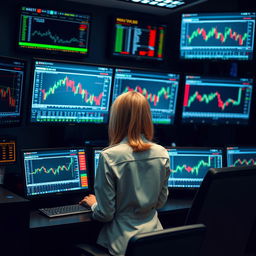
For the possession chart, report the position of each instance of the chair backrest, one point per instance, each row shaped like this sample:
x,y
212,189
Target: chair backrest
x,y
180,241
225,203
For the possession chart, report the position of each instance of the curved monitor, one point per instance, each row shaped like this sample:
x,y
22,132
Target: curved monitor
x,y
54,31
217,100
190,165
11,86
160,89
66,92
227,36
138,39
241,156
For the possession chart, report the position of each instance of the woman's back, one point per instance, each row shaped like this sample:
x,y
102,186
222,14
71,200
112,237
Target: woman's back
x,y
134,185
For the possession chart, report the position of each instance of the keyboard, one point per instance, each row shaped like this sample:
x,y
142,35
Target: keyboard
x,y
65,210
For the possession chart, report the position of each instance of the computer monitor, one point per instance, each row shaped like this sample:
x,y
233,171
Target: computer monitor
x,y
241,156
53,31
11,86
190,165
138,39
223,36
160,89
54,171
67,92
217,100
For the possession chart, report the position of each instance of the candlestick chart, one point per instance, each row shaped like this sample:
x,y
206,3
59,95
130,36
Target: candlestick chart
x,y
218,99
9,91
53,169
76,90
158,94
218,34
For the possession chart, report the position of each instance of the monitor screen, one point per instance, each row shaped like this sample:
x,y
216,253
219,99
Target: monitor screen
x,y
139,39
52,30
241,156
217,100
160,89
51,171
190,165
228,36
70,93
11,85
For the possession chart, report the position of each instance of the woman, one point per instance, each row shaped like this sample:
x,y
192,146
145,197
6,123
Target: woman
x,y
132,176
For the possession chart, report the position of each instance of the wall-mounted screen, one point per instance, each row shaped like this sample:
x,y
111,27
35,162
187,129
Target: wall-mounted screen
x,y
11,85
160,89
241,156
190,165
228,36
217,100
138,39
52,30
65,92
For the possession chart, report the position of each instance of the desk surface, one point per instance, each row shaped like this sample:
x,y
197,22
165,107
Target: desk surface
x,y
37,220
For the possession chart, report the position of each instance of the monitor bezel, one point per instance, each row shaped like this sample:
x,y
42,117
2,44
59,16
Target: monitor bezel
x,y
211,122
192,189
146,21
215,60
52,195
40,51
55,124
148,70
17,120
237,147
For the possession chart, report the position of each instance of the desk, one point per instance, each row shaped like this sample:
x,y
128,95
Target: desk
x,y
39,221
55,234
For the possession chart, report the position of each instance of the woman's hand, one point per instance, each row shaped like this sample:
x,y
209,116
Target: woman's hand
x,y
89,200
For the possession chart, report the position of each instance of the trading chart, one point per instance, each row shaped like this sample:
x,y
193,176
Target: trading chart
x,y
217,36
216,99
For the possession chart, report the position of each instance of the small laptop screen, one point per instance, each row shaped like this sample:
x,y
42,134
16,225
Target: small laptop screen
x,y
190,165
51,171
241,156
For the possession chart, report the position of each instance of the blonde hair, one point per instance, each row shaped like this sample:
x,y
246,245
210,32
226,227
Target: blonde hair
x,y
131,117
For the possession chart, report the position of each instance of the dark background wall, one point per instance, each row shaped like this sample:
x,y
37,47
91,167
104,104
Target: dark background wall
x,y
34,136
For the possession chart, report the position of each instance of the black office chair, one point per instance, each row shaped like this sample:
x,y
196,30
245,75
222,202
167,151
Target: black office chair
x,y
225,203
179,241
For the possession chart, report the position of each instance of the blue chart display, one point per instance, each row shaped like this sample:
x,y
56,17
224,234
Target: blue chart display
x,y
241,156
160,89
55,170
52,30
189,166
64,92
217,100
11,85
217,36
